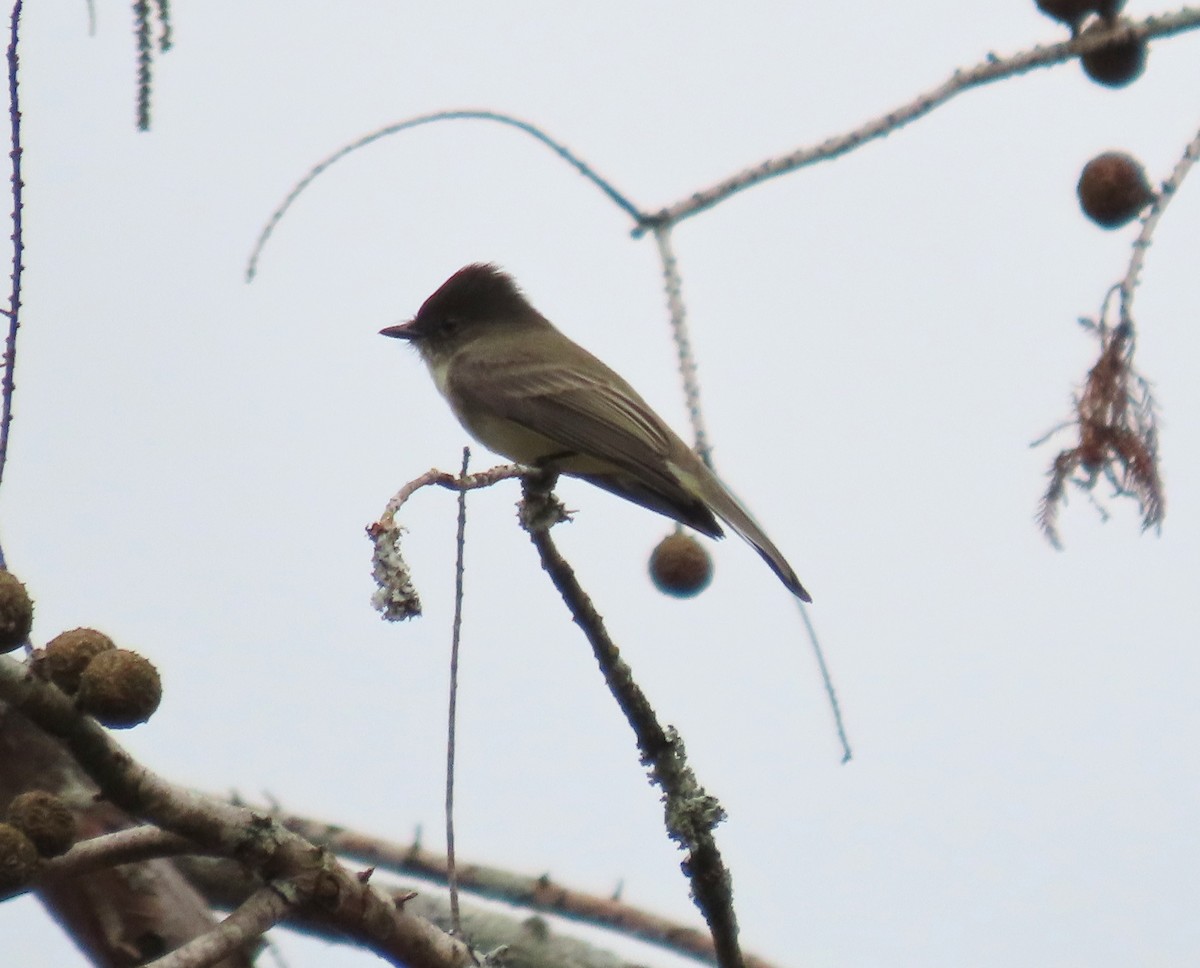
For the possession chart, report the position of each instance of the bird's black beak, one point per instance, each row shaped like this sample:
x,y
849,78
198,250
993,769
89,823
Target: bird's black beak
x,y
401,331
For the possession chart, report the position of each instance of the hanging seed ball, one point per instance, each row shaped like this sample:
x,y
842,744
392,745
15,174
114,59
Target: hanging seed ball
x,y
18,858
120,688
680,566
1117,64
1113,189
67,655
16,612
45,820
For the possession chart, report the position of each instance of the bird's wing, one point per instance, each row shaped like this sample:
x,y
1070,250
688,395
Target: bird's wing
x,y
587,409
582,405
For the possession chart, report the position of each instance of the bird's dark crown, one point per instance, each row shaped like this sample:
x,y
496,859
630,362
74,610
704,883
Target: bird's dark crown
x,y
476,293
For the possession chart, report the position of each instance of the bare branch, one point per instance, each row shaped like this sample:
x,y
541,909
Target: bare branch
x,y
540,893
145,61
1150,222
163,9
683,343
691,814
230,831
992,68
525,941
115,915
261,911
452,482
7,384
452,704
110,850
463,115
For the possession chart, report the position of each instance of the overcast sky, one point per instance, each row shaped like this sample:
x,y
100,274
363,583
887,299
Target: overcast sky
x,y
879,340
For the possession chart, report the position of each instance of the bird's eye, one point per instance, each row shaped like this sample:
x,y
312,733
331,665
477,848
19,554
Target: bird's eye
x,y
449,325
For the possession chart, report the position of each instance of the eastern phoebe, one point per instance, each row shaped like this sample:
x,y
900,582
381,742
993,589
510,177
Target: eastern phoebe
x,y
524,390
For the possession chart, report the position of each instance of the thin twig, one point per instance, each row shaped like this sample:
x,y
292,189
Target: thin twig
x,y
452,482
7,384
165,41
1150,222
455,638
467,115
129,846
992,68
683,343
826,680
690,812
145,61
691,390
261,911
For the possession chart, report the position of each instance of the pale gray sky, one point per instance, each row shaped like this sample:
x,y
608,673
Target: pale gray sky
x,y
879,339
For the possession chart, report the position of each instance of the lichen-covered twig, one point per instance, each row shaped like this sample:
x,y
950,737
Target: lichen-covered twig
x,y
690,812
396,597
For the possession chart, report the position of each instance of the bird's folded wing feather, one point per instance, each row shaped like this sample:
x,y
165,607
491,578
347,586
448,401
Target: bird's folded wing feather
x,y
597,414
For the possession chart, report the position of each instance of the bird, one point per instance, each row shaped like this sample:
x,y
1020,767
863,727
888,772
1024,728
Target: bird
x,y
526,391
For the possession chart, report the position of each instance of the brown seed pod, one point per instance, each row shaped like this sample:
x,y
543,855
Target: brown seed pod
x,y
45,820
16,612
1108,9
65,656
120,688
680,566
1117,64
18,858
1113,189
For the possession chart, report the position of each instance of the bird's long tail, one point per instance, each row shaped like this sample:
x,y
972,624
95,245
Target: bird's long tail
x,y
730,510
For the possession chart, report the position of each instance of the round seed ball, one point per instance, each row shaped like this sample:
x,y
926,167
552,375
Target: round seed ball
x,y
16,612
680,566
1117,64
120,688
18,858
1113,189
67,655
45,820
